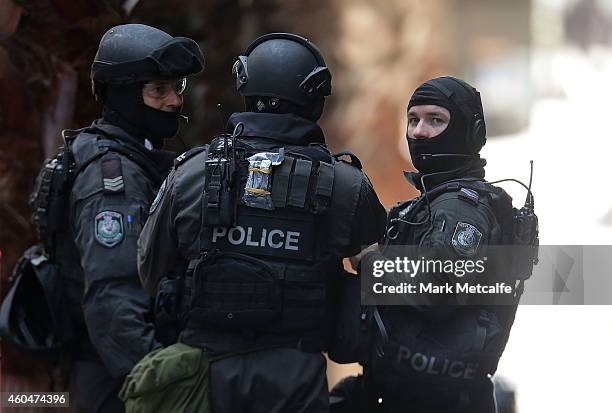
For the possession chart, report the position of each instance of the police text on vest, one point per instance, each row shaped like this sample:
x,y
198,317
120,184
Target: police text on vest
x,y
273,238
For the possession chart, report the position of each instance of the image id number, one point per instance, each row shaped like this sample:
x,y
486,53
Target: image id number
x,y
35,399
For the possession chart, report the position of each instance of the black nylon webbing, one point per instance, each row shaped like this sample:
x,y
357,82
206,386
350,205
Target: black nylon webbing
x,y
325,183
299,183
280,182
204,206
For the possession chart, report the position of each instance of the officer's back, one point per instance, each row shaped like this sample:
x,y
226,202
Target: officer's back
x,y
259,222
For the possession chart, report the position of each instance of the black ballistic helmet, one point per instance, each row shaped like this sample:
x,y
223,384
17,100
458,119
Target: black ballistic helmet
x,y
283,66
133,53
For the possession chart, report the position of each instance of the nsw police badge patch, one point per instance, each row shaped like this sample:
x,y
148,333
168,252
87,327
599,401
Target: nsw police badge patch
x,y
108,228
466,238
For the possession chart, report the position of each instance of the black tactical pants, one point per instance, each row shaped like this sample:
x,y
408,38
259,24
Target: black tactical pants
x,y
270,381
350,396
93,389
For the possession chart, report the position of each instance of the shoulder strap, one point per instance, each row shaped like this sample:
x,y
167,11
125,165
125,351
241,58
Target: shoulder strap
x,y
354,159
205,199
106,143
189,154
468,188
139,159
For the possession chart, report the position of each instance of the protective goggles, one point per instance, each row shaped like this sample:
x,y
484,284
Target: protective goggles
x,y
159,89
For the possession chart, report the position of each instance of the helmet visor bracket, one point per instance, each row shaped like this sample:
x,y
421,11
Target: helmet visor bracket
x,y
240,71
317,83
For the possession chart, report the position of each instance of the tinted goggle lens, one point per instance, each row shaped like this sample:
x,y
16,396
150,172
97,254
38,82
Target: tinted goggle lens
x,y
160,90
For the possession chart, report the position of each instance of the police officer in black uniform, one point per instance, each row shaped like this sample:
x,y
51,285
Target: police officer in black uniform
x,y
139,75
256,227
437,355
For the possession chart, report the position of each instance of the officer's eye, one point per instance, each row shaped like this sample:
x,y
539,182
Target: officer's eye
x,y
413,121
159,90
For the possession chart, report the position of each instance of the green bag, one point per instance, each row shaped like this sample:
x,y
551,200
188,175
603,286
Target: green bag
x,y
170,379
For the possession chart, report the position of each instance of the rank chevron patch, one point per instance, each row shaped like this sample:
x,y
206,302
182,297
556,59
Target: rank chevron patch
x,y
113,184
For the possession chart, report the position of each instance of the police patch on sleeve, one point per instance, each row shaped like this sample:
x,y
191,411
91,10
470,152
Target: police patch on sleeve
x,y
108,228
466,238
158,197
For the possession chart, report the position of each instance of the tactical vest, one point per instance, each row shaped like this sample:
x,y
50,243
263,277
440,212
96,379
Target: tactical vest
x,y
264,266
45,269
459,352
50,199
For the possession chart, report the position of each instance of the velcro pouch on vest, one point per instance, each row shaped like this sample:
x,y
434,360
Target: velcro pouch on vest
x,y
299,183
280,182
323,187
303,184
50,200
234,291
170,379
304,298
351,336
219,200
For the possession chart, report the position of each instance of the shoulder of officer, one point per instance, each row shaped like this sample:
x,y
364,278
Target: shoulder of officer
x,y
185,156
463,211
468,192
349,158
85,148
99,168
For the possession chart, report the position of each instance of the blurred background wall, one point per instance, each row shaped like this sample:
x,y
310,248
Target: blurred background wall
x,y
544,68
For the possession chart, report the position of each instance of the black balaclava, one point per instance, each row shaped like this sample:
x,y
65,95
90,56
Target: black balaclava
x,y
312,112
124,107
454,139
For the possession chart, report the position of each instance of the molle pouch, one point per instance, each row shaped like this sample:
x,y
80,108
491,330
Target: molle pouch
x,y
167,311
351,336
304,299
234,291
49,200
526,243
220,191
257,190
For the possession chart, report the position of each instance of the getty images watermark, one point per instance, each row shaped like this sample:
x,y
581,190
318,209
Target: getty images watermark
x,y
410,268
496,275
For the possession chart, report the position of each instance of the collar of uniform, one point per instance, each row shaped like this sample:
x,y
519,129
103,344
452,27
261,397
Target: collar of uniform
x,y
115,132
162,160
474,169
284,127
